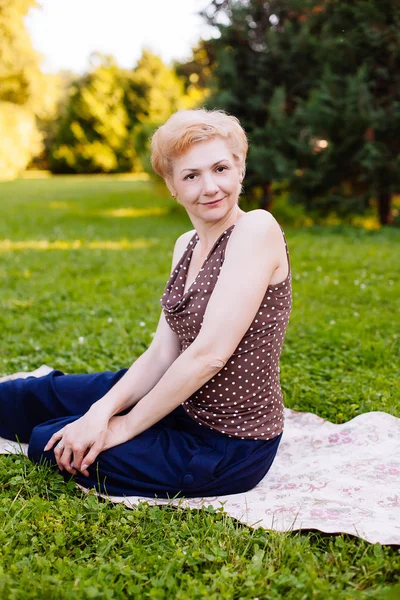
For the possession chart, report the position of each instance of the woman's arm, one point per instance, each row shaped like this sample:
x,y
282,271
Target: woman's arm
x,y
141,377
189,372
149,368
89,432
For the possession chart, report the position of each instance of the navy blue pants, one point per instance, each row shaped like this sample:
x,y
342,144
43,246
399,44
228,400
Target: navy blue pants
x,y
174,457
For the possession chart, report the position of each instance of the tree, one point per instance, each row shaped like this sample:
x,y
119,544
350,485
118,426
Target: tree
x,y
196,73
317,86
92,135
55,97
20,75
153,91
21,89
111,114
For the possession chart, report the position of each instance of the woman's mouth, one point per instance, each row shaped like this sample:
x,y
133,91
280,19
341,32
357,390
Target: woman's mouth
x,y
212,203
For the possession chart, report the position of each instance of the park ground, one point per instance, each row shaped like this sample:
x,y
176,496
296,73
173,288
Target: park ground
x,y
83,264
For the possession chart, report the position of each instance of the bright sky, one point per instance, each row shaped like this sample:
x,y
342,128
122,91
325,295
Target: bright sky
x,y
66,32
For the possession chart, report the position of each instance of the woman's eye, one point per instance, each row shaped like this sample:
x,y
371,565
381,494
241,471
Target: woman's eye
x,y
192,176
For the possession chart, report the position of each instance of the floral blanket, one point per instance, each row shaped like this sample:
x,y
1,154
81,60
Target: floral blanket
x,y
334,478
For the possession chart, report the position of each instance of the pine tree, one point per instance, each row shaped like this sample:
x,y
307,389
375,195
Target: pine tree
x,y
316,84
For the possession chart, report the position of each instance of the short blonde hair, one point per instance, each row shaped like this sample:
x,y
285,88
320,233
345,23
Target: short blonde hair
x,y
187,127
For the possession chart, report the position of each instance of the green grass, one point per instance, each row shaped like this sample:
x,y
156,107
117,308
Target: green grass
x,y
94,307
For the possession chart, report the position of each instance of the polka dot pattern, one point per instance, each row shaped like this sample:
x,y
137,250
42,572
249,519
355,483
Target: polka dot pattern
x,y
244,399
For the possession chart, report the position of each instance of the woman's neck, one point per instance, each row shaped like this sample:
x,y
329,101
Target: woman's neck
x,y
209,233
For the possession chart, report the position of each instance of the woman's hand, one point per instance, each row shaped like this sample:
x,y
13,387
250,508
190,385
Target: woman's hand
x,y
80,442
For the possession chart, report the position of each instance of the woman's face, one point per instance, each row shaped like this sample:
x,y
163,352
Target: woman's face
x,y
207,179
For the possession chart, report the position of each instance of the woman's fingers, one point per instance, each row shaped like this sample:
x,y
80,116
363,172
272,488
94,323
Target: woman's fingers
x,y
63,455
90,458
54,438
65,461
74,460
58,452
78,454
74,449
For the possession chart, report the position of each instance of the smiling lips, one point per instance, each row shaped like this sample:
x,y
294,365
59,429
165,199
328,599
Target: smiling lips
x,y
211,203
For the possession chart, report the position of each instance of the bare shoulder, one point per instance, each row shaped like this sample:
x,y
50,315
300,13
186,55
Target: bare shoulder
x,y
183,240
180,245
258,222
258,236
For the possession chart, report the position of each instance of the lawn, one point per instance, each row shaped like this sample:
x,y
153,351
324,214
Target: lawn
x,y
83,264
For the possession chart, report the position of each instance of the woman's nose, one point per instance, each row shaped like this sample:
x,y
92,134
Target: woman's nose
x,y
210,187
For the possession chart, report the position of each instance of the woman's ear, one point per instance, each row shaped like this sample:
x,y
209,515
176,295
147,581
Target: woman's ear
x,y
242,171
171,188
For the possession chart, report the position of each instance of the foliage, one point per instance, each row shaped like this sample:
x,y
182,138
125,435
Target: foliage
x,y
93,306
93,132
152,93
111,114
317,87
59,543
55,96
21,90
19,139
196,73
20,75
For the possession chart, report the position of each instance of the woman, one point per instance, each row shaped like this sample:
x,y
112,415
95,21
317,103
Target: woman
x,y
200,413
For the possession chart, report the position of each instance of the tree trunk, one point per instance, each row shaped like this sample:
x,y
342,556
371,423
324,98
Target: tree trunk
x,y
385,206
266,199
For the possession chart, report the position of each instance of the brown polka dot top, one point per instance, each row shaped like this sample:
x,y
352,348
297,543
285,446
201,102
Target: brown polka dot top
x,y
244,399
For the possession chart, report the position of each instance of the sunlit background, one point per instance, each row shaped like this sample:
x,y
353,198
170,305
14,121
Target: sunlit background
x,y
85,83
